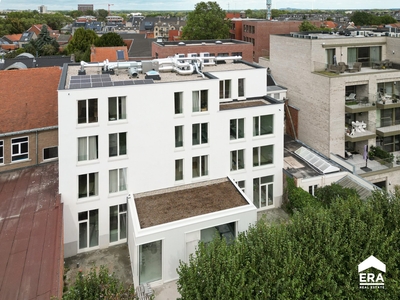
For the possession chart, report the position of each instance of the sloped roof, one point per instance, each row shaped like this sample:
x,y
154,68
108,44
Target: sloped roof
x,y
363,191
14,37
28,99
17,65
100,54
30,233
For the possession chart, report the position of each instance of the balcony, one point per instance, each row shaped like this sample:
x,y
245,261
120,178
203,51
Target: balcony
x,y
366,67
360,105
388,101
388,130
360,131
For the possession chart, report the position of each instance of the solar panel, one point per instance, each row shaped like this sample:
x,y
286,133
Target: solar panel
x,y
128,82
118,83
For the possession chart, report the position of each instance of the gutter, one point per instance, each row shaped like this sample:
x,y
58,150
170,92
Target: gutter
x,y
28,131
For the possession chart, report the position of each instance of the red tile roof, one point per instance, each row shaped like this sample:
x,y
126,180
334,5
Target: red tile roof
x,y
37,28
100,54
28,98
31,252
14,37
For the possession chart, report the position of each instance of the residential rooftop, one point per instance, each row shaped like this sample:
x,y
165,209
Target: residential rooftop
x,y
188,43
31,251
93,76
243,104
173,204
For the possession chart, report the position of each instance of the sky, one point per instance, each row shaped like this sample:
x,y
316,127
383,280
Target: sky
x,y
134,5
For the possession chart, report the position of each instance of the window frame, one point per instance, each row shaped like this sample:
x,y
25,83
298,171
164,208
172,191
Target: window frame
x,y
121,180
119,106
88,183
269,188
259,129
235,160
262,160
178,103
202,170
202,138
241,90
120,151
225,89
88,148
88,221
179,165
179,136
236,129
201,103
48,148
21,154
121,217
90,108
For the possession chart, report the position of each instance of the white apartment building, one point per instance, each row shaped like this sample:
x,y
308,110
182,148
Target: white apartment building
x,y
342,112
150,126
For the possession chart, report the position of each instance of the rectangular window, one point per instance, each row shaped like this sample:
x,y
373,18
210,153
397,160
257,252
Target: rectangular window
x,y
116,108
178,169
199,166
263,125
236,129
19,148
200,101
242,185
87,111
225,89
263,155
237,160
312,189
150,262
120,55
263,191
117,222
1,152
88,148
50,153
241,87
178,136
199,134
178,103
117,144
88,185
88,228
117,180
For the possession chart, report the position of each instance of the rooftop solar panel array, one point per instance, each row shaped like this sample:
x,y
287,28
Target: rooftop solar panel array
x,y
89,81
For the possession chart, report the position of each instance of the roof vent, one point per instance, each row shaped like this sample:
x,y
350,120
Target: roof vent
x,y
181,44
218,42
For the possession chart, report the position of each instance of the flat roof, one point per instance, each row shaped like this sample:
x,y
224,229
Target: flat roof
x,y
121,76
243,104
201,42
173,204
31,258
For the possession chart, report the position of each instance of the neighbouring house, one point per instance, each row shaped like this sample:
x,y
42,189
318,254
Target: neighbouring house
x,y
100,54
161,49
10,42
346,91
26,37
131,130
26,60
28,117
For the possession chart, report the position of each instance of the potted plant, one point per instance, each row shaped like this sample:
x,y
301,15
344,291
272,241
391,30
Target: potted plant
x,y
371,153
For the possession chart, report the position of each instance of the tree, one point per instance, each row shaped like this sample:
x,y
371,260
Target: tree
x,y
314,256
102,14
99,285
45,44
307,26
109,39
206,21
81,42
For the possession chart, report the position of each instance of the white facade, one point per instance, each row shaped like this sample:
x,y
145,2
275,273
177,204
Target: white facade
x,y
148,121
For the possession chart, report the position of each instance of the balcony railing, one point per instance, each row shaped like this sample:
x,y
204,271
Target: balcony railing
x,y
360,131
330,69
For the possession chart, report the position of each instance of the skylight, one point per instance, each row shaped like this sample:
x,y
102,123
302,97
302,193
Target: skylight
x,y
316,161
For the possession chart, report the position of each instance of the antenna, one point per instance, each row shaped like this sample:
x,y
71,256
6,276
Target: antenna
x,y
269,9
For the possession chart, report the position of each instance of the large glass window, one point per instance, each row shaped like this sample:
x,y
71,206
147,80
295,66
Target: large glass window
x,y
1,152
225,231
178,102
263,191
241,87
150,262
200,101
225,89
263,125
178,169
199,166
87,111
263,155
88,148
88,228
117,144
199,134
116,108
88,185
236,129
178,136
117,180
19,148
117,222
237,160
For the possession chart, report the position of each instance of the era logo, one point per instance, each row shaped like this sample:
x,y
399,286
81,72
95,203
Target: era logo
x,y
369,280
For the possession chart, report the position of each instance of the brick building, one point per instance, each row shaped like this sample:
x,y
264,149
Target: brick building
x,y
213,47
258,32
28,117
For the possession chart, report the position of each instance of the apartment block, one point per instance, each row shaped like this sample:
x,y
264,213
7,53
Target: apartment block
x,y
347,91
163,153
